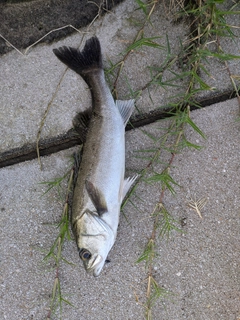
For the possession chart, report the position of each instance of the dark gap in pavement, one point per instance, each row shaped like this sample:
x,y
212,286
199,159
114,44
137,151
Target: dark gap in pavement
x,y
71,139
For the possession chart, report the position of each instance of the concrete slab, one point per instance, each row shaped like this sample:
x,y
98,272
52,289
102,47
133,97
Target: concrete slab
x,y
199,266
32,83
29,83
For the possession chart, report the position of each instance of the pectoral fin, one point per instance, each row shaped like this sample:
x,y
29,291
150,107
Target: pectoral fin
x,y
97,198
127,185
125,108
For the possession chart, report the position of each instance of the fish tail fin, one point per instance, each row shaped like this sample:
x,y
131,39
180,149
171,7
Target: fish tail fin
x,y
82,62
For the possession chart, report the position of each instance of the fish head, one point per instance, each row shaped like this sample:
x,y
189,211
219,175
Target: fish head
x,y
95,239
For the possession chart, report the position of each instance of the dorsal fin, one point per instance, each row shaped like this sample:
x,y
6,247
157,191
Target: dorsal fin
x,y
97,198
125,108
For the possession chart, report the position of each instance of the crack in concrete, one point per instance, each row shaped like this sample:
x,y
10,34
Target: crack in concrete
x,y
71,139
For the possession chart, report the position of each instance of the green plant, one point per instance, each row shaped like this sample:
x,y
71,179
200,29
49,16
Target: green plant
x,y
163,222
208,22
55,252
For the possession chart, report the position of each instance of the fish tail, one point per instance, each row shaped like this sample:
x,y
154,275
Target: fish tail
x,y
83,62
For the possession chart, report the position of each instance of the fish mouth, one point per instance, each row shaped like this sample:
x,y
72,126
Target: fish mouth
x,y
95,266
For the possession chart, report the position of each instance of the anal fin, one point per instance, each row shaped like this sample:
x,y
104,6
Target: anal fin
x,y
127,185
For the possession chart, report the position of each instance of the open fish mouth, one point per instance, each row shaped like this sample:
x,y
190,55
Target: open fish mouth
x,y
95,266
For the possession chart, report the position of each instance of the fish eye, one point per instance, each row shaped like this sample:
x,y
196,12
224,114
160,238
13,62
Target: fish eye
x,y
85,254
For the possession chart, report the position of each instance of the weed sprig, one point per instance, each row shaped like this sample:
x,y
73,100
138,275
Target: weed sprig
x,y
208,24
138,42
163,222
55,251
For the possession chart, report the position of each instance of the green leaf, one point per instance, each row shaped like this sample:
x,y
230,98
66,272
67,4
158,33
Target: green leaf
x,y
148,253
203,85
145,150
165,179
191,145
67,302
149,135
194,126
142,6
144,42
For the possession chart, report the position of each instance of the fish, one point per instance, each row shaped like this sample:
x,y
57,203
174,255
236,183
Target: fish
x,y
100,186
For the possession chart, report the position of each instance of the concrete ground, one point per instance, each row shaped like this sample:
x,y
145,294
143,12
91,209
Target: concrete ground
x,y
198,266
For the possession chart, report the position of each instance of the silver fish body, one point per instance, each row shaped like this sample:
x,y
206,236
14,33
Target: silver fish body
x,y
100,186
